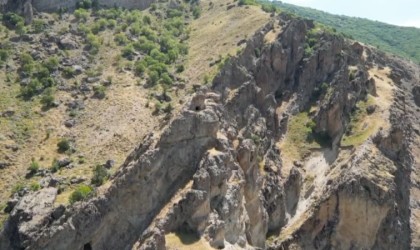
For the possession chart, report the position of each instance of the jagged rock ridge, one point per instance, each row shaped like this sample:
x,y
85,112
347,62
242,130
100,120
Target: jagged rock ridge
x,y
216,170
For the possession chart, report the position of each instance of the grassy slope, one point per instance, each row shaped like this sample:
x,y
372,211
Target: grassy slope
x,y
402,41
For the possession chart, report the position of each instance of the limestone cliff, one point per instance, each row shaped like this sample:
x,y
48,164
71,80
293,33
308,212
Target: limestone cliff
x,y
222,171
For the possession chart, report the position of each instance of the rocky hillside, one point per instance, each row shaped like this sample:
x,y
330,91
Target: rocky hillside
x,y
303,140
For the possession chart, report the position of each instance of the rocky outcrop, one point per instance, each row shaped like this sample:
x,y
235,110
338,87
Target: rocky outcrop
x,y
216,170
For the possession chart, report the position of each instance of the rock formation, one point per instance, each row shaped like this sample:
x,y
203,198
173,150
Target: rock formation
x,y
216,170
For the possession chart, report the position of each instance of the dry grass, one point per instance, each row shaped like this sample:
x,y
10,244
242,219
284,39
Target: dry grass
x,y
216,34
295,144
183,241
364,125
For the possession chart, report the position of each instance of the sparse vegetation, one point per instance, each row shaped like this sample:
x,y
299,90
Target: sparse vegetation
x,y
81,193
100,175
359,129
63,145
33,168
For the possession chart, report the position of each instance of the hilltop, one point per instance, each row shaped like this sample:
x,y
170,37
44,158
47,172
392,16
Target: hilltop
x,y
402,41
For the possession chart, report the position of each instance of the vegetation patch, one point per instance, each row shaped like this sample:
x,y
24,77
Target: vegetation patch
x,y
359,128
300,138
81,193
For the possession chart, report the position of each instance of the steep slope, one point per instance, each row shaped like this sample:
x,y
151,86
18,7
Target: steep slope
x,y
102,130
221,173
401,41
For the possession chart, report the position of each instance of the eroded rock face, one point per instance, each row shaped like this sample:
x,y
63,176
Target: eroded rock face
x,y
216,171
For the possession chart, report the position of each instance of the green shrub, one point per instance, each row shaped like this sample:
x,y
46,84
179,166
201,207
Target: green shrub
x,y
63,145
94,43
35,186
68,72
81,193
100,175
99,91
269,8
4,55
81,14
54,166
18,187
166,79
247,2
51,63
153,77
33,88
147,20
12,19
33,168
180,68
128,50
84,4
121,39
139,67
47,98
38,25
196,12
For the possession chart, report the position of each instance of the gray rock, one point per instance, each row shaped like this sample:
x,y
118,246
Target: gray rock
x,y
371,109
77,180
8,113
58,212
92,79
70,123
109,164
78,69
416,94
4,165
67,42
64,162
49,181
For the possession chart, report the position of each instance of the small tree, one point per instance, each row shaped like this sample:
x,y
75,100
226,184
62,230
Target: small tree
x,y
63,145
100,175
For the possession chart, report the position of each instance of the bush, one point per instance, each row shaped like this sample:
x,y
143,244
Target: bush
x,y
47,98
99,91
84,4
4,55
128,51
139,68
180,68
100,175
68,72
63,145
81,14
21,29
54,166
196,12
51,63
153,77
93,43
35,186
33,88
81,193
12,19
33,168
247,2
121,39
166,79
269,8
38,25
